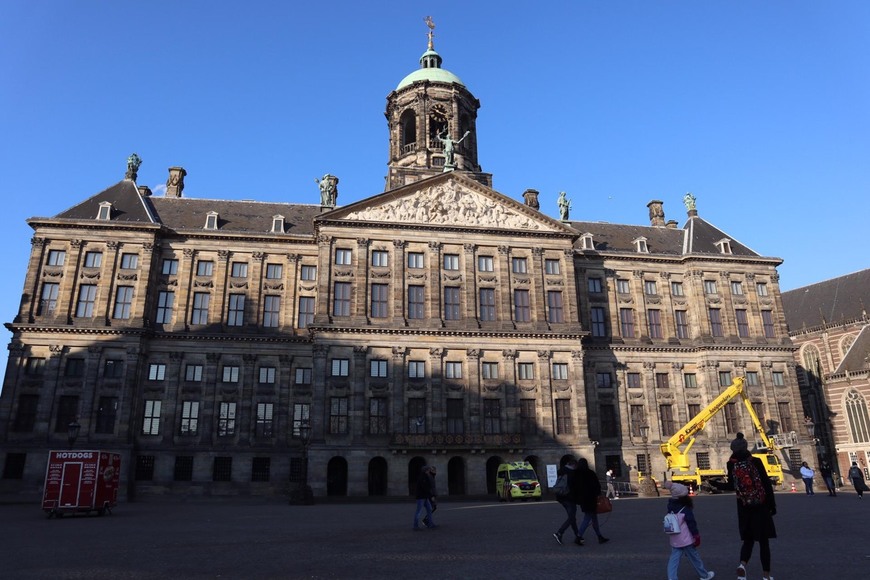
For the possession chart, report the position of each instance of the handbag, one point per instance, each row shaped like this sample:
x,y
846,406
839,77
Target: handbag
x,y
603,505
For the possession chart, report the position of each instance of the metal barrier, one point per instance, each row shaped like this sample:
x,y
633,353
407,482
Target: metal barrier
x,y
622,488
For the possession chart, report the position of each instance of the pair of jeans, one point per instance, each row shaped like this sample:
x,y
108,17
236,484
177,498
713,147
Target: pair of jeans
x,y
808,483
421,505
829,483
589,518
571,511
694,558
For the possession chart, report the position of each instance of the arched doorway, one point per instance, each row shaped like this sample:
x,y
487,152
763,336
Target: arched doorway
x,y
535,462
491,469
336,477
456,476
415,466
378,476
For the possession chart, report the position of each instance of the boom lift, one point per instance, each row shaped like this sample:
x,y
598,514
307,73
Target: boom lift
x,y
676,449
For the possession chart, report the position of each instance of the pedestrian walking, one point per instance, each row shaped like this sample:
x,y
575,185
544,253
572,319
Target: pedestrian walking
x,y
756,505
433,490
424,496
828,477
807,474
568,500
858,479
611,490
686,541
589,488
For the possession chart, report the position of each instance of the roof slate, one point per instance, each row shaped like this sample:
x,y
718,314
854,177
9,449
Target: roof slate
x,y
833,301
127,205
858,357
253,217
607,237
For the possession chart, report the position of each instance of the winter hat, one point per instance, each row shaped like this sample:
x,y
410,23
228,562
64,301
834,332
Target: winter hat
x,y
739,444
677,489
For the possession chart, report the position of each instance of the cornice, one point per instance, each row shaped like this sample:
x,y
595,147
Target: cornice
x,y
442,332
359,224
675,259
690,349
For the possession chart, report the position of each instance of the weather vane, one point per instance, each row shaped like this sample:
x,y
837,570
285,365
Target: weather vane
x,y
431,24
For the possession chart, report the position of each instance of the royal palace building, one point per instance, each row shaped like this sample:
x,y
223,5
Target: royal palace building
x,y
238,347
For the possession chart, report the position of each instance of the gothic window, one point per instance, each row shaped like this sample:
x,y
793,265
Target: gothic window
x,y
856,413
812,365
846,344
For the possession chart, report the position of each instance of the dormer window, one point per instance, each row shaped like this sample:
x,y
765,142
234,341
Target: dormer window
x,y
586,242
277,224
640,245
724,246
105,212
211,220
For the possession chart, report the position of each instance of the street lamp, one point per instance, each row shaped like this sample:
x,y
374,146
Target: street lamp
x,y
646,487
304,496
72,432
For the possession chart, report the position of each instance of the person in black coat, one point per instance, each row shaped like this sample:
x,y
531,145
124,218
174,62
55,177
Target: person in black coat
x,y
569,502
424,499
755,522
588,490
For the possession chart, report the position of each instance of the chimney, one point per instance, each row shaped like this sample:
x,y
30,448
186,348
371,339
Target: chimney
x,y
531,197
175,183
144,191
672,224
656,213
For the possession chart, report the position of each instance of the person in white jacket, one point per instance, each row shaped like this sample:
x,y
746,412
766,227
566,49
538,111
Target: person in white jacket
x,y
807,475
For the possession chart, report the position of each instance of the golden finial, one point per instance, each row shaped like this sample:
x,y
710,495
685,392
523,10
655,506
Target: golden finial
x,y
431,24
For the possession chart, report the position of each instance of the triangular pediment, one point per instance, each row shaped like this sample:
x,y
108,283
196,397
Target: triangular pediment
x,y
451,200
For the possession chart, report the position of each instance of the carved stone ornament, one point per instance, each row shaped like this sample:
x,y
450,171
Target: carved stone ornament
x,y
55,349
203,284
188,252
37,242
437,352
522,280
90,274
487,279
509,354
52,272
528,388
452,277
561,386
385,274
555,282
238,284
308,288
273,286
400,351
343,274
128,277
16,349
417,276
449,204
417,386
625,298
473,353
654,299
635,394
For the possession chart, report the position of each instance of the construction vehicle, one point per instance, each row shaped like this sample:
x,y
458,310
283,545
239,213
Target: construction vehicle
x,y
676,449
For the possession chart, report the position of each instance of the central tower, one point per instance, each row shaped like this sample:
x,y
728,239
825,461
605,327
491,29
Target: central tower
x,y
433,124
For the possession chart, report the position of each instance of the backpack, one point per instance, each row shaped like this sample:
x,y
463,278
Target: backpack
x,y
747,483
561,485
671,523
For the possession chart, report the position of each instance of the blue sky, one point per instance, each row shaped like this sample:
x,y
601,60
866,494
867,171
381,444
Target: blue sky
x,y
758,108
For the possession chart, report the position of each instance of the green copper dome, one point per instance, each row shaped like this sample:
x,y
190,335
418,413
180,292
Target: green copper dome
x,y
430,70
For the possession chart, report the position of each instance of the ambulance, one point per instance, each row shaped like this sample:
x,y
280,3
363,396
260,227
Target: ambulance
x,y
517,480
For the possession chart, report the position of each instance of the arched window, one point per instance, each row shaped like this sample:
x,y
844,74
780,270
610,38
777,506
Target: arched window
x,y
846,344
857,417
408,127
812,365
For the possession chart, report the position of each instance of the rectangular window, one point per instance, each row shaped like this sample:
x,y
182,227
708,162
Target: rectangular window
x,y
786,423
622,286
778,378
752,378
666,413
378,368
522,310
626,322
677,289
338,415
156,372
340,367
264,419
758,407
236,310
204,268
485,264
690,381
193,373
87,297
227,419
183,470
303,376
662,381
343,257
380,258
519,266
271,311
56,258
709,287
415,260
416,302
489,370
308,273
189,417
694,409
702,459
491,416
48,298
649,287
274,271
528,417
455,416
552,267
75,368
453,370
526,371
681,321
165,302
416,416
144,468
555,311
93,259
380,300
129,261
609,424
742,323
603,380
731,425
151,418
716,322
761,288
638,418
767,324
560,371
341,300
737,288
25,416
724,378
599,324
594,285
306,311
261,468
123,302
564,425
169,267
654,318
451,303
113,369
451,261
633,380
199,314
416,369
487,304
230,374
378,417
301,418
267,375
222,469
35,366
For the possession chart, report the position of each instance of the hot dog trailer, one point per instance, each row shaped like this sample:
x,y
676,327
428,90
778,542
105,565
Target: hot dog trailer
x,y
81,482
